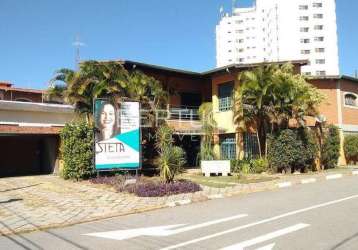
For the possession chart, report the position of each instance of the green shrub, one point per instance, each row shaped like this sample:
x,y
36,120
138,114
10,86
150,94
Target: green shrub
x,y
77,151
236,165
246,168
259,166
254,166
292,150
331,148
171,158
351,148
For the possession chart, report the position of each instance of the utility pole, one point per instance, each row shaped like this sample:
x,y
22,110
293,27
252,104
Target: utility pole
x,y
78,44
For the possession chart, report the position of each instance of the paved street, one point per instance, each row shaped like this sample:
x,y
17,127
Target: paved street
x,y
320,215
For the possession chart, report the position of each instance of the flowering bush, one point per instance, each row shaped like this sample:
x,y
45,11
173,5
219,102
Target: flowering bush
x,y
148,188
159,189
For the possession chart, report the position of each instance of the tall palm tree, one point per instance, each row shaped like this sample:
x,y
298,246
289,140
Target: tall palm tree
x,y
92,80
209,126
252,101
105,79
269,97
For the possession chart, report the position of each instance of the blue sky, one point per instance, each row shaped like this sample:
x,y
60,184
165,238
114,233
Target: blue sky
x,y
36,36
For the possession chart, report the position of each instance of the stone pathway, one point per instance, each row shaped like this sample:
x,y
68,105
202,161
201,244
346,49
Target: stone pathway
x,y
39,202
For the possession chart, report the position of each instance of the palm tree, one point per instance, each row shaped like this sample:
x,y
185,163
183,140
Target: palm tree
x,y
252,101
269,97
208,127
105,80
149,92
92,80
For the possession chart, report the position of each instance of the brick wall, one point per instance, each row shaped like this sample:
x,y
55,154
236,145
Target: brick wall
x,y
349,114
328,108
14,129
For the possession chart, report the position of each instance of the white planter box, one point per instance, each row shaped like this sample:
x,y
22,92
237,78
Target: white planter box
x,y
215,167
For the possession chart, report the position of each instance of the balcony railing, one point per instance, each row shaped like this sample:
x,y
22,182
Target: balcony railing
x,y
184,112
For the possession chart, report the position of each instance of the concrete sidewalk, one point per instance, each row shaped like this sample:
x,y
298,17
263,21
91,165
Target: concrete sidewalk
x,y
39,202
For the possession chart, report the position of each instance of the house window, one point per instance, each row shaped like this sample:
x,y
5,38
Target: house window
x,y
228,147
320,61
319,16
305,52
350,100
319,39
305,40
225,96
304,29
319,50
317,5
304,18
303,7
318,27
321,73
251,146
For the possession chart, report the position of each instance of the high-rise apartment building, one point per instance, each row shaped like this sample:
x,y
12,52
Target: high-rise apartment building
x,y
281,30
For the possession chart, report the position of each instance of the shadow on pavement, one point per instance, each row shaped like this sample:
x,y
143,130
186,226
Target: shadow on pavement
x,y
13,189
13,236
343,242
10,200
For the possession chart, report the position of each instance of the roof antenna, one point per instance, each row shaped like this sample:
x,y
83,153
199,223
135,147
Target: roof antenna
x,y
221,11
78,44
233,6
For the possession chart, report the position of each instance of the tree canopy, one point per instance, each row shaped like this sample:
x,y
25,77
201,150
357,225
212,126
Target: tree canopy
x,y
270,96
96,79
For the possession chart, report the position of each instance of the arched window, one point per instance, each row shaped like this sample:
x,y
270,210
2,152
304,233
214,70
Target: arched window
x,y
350,100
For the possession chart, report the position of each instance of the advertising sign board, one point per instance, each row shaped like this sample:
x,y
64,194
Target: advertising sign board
x,y
117,136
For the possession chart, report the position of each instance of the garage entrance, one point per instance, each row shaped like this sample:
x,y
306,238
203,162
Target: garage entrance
x,y
27,154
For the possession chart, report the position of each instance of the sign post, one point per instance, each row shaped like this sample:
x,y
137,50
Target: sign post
x,y
117,136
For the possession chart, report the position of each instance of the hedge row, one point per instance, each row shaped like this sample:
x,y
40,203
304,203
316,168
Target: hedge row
x,y
77,151
351,148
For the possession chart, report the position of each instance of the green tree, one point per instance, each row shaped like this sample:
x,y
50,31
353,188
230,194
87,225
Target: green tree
x,y
331,147
351,148
291,150
105,79
269,97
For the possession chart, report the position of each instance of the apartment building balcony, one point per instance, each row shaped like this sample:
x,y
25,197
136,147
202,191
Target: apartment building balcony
x,y
184,119
183,112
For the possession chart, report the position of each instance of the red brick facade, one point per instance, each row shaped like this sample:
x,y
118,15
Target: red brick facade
x,y
9,93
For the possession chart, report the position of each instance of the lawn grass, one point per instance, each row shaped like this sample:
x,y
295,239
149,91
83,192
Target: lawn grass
x,y
225,181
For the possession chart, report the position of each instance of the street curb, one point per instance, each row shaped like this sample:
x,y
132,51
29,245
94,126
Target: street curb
x,y
178,203
334,176
284,184
308,180
215,196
